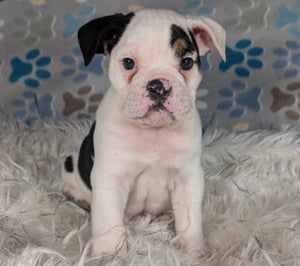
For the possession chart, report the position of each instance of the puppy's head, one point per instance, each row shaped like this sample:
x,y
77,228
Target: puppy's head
x,y
155,65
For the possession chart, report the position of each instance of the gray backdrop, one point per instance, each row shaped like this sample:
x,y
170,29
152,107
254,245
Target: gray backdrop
x,y
42,73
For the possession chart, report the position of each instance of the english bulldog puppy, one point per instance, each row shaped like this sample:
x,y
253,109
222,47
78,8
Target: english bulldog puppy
x,y
142,155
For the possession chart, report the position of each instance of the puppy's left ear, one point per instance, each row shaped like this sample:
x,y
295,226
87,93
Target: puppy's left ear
x,y
208,33
100,35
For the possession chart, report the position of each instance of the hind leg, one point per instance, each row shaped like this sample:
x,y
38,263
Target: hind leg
x,y
73,187
77,171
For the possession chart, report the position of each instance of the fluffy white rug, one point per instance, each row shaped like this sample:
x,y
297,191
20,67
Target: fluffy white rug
x,y
251,205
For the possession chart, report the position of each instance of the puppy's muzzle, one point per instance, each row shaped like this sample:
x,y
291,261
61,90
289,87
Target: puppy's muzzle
x,y
159,90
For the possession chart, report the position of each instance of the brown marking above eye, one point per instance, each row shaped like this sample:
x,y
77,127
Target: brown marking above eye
x,y
180,46
181,42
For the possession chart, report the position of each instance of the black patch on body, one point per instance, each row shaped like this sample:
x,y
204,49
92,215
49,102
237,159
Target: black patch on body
x,y
100,35
186,45
69,164
86,155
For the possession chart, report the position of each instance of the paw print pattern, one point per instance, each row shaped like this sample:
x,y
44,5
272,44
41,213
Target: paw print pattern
x,y
241,126
289,59
287,101
75,66
1,26
31,70
84,104
74,22
239,99
134,7
37,2
196,8
34,26
245,55
205,64
0,68
33,106
289,18
200,104
245,15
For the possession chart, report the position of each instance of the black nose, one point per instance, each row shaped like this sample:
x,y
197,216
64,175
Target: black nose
x,y
157,92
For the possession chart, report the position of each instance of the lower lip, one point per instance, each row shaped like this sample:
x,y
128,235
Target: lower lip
x,y
158,114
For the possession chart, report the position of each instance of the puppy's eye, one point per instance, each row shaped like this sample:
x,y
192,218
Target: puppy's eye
x,y
186,63
128,63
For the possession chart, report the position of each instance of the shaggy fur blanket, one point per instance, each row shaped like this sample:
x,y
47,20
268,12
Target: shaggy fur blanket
x,y
251,205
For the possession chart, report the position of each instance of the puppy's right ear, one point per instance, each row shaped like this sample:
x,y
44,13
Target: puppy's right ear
x,y
100,35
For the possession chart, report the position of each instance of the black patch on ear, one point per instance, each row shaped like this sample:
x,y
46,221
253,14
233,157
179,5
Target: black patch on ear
x,y
86,155
100,35
69,164
181,42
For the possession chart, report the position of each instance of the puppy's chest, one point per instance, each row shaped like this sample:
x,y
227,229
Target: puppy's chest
x,y
150,191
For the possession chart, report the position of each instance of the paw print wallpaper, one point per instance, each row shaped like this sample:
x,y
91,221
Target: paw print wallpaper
x,y
42,72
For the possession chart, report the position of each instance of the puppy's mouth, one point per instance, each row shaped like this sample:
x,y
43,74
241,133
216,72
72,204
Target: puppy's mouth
x,y
156,116
158,108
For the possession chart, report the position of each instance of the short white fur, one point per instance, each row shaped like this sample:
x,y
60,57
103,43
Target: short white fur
x,y
148,164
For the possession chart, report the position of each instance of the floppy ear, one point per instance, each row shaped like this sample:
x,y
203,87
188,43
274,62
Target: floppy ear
x,y
208,34
100,35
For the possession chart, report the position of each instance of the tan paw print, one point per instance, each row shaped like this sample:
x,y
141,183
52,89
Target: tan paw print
x,y
83,104
287,101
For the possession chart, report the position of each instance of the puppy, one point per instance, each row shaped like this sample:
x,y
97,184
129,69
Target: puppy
x,y
143,152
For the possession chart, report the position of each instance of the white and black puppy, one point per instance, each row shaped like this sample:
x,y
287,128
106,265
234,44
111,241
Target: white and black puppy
x,y
143,152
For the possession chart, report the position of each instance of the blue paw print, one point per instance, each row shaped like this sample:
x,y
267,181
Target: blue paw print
x,y
238,57
290,53
31,107
34,64
204,62
237,100
0,67
74,62
196,8
289,16
73,23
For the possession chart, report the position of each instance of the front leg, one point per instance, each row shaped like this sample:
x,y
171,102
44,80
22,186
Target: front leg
x,y
187,197
110,188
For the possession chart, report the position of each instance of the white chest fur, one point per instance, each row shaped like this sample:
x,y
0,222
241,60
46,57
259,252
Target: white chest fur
x,y
150,191
152,161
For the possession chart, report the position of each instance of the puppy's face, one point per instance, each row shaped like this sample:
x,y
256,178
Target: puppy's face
x,y
155,65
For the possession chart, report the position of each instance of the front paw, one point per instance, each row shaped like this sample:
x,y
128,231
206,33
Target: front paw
x,y
109,246
187,242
